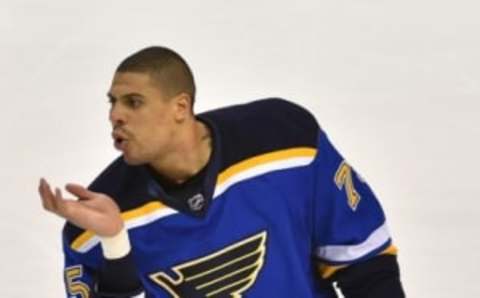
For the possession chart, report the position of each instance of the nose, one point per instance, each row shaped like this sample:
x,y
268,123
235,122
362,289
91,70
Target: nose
x,y
116,115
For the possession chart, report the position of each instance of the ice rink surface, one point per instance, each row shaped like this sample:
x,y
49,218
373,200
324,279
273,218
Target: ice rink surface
x,y
396,84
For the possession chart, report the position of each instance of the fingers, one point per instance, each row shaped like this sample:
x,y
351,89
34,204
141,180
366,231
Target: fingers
x,y
79,191
90,199
72,211
46,195
94,211
58,200
53,202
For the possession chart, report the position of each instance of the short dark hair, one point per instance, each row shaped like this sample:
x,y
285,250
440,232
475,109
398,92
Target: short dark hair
x,y
164,65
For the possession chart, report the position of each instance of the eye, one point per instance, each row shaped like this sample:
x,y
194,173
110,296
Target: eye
x,y
111,100
134,102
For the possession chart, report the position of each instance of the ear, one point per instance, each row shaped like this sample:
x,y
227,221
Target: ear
x,y
183,107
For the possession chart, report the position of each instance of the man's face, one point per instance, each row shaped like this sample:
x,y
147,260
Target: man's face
x,y
144,120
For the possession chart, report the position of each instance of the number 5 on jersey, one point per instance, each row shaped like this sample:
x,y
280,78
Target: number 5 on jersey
x,y
75,287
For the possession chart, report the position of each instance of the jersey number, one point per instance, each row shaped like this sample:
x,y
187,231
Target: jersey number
x,y
343,178
74,286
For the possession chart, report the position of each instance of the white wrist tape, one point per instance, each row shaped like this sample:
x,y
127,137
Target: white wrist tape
x,y
116,247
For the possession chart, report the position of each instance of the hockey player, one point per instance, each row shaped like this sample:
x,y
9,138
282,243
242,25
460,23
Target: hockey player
x,y
249,200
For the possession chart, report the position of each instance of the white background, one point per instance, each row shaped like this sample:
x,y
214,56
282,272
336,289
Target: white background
x,y
396,84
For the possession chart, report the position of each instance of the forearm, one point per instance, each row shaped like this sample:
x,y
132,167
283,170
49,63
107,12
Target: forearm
x,y
117,276
375,278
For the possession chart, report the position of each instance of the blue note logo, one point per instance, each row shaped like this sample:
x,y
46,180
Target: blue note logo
x,y
228,272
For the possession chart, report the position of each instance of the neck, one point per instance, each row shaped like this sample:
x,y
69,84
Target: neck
x,y
190,155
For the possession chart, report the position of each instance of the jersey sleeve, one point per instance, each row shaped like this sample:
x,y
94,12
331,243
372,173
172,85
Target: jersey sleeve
x,y
79,273
349,223
90,275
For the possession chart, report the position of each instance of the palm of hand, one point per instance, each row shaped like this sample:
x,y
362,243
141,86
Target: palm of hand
x,y
92,211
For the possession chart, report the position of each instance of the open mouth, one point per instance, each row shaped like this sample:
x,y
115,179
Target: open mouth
x,y
119,142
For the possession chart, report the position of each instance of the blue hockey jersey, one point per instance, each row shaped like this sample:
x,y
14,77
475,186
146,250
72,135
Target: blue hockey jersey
x,y
279,211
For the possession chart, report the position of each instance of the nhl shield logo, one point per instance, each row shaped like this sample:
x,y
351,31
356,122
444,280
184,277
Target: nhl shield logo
x,y
197,202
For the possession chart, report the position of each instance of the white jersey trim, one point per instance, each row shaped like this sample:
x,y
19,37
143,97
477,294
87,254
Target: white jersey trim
x,y
260,170
348,253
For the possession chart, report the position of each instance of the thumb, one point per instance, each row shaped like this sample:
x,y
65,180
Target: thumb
x,y
79,191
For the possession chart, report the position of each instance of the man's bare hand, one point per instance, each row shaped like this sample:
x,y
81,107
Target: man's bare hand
x,y
92,211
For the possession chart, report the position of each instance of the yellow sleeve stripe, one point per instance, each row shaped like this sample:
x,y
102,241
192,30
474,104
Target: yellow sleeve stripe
x,y
327,271
126,216
391,250
264,159
142,211
224,176
82,239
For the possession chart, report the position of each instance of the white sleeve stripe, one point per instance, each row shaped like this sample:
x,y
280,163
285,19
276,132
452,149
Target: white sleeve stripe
x,y
346,253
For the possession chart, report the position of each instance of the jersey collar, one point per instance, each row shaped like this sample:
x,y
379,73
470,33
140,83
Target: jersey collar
x,y
194,196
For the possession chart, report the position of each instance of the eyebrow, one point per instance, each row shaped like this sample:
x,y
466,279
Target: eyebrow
x,y
132,94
